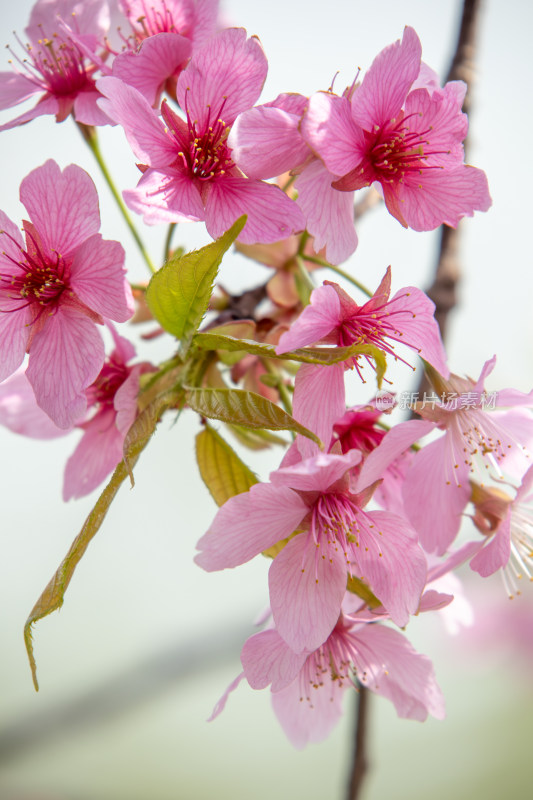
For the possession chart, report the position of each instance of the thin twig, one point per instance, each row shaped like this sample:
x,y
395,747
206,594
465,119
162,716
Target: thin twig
x,y
360,758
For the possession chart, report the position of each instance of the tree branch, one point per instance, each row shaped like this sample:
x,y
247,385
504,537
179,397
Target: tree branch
x,y
360,759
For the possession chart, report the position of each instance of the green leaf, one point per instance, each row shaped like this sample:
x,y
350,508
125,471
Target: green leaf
x,y
308,355
222,471
52,597
244,408
178,295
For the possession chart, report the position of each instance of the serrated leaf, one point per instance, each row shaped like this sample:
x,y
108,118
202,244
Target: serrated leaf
x,y
356,586
244,408
52,597
222,471
325,356
178,295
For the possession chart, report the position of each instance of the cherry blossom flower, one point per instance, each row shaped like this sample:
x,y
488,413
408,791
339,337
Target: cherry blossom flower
x,y
436,488
308,688
55,286
334,538
56,67
164,35
409,140
113,395
112,408
508,525
334,318
191,174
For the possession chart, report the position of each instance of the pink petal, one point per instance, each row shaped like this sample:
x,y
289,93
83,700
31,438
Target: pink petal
x,y
414,317
99,278
265,142
165,196
224,78
125,401
310,718
306,593
392,563
271,214
328,212
221,704
435,495
157,59
92,16
318,402
442,196
15,88
395,442
316,474
20,413
63,206
496,552
46,105
95,457
316,321
386,84
205,22
329,130
439,114
267,658
143,128
88,111
249,523
14,335
512,397
65,358
389,665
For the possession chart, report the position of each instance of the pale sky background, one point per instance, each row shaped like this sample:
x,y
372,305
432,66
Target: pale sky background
x,y
137,593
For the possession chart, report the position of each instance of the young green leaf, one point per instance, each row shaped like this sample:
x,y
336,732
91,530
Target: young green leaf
x,y
52,597
178,295
244,408
222,471
307,355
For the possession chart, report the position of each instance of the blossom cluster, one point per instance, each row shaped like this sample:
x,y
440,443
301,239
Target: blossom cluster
x,y
361,519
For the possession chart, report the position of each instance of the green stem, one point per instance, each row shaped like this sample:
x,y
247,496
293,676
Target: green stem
x,y
304,273
90,136
171,229
341,272
288,183
284,394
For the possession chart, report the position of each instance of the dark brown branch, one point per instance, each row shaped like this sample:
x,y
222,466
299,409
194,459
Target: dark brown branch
x,y
443,291
360,758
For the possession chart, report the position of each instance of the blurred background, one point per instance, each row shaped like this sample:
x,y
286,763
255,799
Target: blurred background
x,y
146,643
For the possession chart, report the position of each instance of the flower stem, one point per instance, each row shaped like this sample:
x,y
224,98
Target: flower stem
x,y
341,272
90,136
284,394
166,252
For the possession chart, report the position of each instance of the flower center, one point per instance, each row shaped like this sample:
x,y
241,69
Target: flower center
x,y
398,150
102,392
55,64
37,280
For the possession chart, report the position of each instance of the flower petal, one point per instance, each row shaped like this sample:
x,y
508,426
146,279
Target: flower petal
x,y
267,658
249,523
306,591
99,278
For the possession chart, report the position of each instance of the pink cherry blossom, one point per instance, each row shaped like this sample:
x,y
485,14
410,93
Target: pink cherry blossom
x,y
334,318
308,688
191,174
510,541
55,286
164,35
334,538
409,140
113,396
267,142
58,68
436,488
